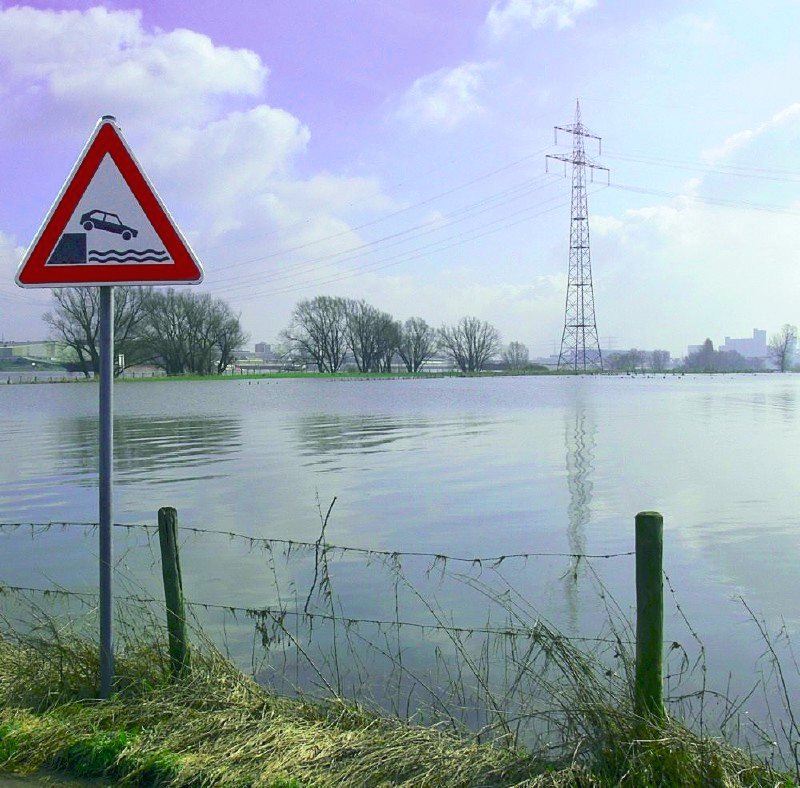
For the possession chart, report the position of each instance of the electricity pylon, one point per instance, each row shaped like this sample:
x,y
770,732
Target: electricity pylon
x,y
580,346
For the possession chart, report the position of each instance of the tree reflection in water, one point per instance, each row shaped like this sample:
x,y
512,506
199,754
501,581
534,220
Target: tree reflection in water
x,y
326,438
159,449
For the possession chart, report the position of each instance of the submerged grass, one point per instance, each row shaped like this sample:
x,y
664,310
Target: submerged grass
x,y
219,727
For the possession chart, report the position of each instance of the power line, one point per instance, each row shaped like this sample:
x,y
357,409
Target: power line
x,y
403,258
402,236
385,217
717,201
737,171
312,266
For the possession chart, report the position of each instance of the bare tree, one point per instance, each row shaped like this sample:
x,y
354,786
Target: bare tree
x,y
372,336
782,347
75,320
625,360
516,356
470,343
706,359
318,329
636,359
165,332
388,342
230,337
418,342
190,332
659,359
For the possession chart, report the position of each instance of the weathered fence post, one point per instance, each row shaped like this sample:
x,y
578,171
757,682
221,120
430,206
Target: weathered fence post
x,y
173,590
649,615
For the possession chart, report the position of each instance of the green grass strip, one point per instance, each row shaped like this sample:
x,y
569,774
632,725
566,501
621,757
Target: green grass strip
x,y
217,727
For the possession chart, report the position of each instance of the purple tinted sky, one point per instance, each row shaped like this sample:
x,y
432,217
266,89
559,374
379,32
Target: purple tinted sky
x,y
395,151
328,60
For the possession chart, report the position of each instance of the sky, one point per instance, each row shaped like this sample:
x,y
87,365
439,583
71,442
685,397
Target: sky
x,y
394,150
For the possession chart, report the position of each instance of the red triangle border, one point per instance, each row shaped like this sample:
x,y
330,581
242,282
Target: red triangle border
x,y
108,140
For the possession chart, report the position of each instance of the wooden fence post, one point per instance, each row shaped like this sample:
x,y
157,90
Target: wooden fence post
x,y
173,590
649,615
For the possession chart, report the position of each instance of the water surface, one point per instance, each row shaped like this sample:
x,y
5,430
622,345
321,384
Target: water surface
x,y
467,467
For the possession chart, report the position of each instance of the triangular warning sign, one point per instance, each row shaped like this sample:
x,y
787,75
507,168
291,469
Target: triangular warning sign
x,y
108,226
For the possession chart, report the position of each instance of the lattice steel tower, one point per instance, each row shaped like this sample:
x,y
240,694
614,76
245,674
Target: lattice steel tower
x,y
580,346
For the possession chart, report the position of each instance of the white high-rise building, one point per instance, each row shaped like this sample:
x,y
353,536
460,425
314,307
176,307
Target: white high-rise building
x,y
749,348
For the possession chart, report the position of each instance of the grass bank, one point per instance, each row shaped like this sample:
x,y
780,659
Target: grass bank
x,y
339,376
140,378
218,727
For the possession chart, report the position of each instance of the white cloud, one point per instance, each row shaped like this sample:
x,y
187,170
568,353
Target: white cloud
x,y
506,16
105,61
223,162
741,138
445,98
231,162
338,193
673,274
523,312
253,204
10,256
20,311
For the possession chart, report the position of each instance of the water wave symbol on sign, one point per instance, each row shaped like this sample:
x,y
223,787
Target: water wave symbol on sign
x,y
129,256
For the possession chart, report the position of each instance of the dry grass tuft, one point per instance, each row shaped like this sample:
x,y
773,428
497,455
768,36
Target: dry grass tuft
x,y
218,727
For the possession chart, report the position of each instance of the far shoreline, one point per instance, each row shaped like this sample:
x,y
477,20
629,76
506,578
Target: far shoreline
x,y
51,377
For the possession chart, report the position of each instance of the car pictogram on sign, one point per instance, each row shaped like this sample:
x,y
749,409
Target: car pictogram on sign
x,y
110,222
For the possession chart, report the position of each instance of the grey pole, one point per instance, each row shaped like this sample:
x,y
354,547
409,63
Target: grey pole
x,y
106,503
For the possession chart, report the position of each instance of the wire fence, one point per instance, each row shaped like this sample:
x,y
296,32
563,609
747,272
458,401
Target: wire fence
x,y
410,655
291,544
323,552
409,652
277,614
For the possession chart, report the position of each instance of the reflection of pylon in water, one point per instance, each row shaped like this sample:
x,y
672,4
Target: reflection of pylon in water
x,y
580,445
580,347
580,464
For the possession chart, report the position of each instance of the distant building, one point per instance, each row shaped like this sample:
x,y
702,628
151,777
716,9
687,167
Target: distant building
x,y
264,351
47,350
752,348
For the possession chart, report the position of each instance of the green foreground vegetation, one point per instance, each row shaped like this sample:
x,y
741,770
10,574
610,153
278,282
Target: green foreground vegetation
x,y
216,726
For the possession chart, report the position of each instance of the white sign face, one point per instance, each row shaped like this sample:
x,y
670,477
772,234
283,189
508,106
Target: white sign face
x,y
108,226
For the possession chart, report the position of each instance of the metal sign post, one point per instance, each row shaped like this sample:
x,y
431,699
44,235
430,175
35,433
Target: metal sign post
x,y
107,227
106,486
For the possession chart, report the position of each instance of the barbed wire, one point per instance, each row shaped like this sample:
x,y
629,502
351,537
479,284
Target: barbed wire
x,y
292,544
278,614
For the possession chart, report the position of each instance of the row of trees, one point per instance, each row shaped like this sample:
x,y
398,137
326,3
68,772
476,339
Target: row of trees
x,y
709,360
781,351
323,330
179,331
634,360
